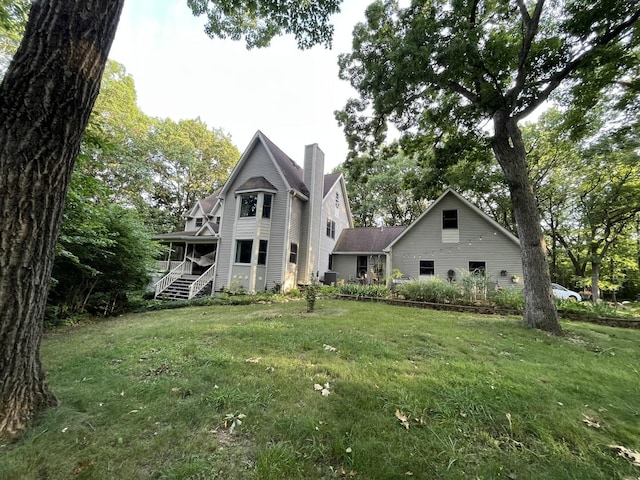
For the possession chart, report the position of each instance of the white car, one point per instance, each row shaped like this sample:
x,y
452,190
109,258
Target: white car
x,y
564,293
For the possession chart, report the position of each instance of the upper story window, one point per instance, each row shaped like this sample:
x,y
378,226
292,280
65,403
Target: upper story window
x,y
266,205
427,267
337,200
293,253
331,228
199,221
449,219
248,205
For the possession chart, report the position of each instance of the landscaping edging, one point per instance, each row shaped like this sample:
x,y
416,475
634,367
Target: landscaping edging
x,y
491,310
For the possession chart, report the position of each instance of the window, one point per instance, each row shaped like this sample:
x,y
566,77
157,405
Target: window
x,y
331,228
262,252
337,200
362,266
427,267
330,262
293,253
217,220
243,251
266,205
248,205
477,268
199,222
449,219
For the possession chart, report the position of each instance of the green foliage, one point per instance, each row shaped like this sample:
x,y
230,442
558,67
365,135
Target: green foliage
x,y
311,292
474,287
258,21
157,166
433,290
484,397
103,250
376,188
508,297
13,18
358,290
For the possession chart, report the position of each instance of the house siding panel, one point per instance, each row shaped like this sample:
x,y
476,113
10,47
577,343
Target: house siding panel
x,y
257,163
479,241
339,215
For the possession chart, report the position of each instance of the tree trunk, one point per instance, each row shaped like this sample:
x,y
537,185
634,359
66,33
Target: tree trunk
x,y
540,308
595,280
46,97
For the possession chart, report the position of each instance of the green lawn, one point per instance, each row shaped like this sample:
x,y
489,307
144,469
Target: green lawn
x,y
228,392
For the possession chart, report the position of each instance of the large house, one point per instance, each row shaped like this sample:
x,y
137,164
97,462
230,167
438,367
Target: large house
x,y
271,226
275,225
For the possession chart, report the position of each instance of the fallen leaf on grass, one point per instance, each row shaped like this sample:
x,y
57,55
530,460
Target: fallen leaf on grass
x,y
83,467
403,419
632,455
329,348
590,421
252,360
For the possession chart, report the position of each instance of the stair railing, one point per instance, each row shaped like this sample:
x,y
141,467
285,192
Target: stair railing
x,y
162,284
201,282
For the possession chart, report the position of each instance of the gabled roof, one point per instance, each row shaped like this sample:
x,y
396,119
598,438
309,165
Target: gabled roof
x,y
209,202
291,172
290,169
256,183
330,180
366,240
208,229
450,191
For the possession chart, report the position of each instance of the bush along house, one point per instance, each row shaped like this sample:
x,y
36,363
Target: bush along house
x,y
275,225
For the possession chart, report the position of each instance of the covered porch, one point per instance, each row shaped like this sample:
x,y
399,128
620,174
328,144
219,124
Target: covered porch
x,y
187,266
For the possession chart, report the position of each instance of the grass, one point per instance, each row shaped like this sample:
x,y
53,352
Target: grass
x,y
228,392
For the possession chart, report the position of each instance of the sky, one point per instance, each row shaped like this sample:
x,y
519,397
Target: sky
x,y
288,94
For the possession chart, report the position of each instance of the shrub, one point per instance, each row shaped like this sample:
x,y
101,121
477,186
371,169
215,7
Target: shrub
x,y
357,290
509,298
311,293
434,290
474,287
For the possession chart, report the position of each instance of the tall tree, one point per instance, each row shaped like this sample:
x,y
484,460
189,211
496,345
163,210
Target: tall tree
x,y
377,192
439,69
46,98
188,160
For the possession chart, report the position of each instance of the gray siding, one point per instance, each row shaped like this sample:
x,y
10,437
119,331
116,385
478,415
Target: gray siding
x,y
257,163
338,215
294,236
479,241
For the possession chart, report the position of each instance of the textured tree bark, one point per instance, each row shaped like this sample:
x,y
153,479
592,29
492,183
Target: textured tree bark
x,y
46,97
540,308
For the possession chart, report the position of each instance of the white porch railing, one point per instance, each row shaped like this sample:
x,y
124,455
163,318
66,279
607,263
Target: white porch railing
x,y
164,265
162,284
201,282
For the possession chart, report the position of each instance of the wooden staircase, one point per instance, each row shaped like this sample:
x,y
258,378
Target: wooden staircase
x,y
179,289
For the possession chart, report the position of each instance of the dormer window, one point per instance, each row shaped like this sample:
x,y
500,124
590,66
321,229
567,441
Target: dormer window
x,y
248,205
199,222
